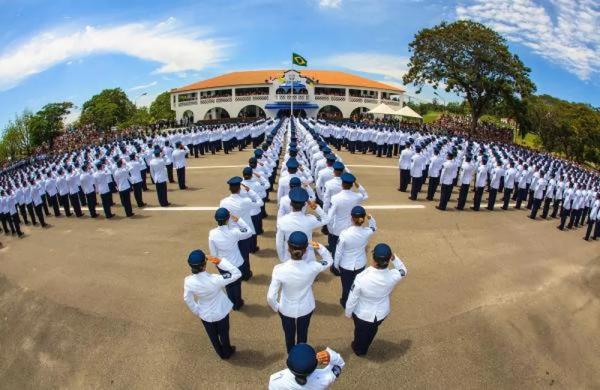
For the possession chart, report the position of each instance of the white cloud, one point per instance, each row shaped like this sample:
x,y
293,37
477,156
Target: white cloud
x,y
389,66
72,116
143,86
388,69
173,46
571,39
330,3
146,100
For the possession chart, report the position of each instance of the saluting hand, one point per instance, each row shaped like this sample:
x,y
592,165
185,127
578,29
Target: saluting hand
x,y
312,204
356,184
323,357
235,218
214,260
369,216
315,244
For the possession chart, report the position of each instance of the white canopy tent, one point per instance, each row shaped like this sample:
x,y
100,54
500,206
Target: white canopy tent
x,y
408,112
383,109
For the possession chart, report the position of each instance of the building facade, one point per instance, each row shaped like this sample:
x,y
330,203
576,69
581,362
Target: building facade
x,y
272,93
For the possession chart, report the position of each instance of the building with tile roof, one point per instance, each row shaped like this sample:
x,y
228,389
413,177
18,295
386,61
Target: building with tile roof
x,y
271,93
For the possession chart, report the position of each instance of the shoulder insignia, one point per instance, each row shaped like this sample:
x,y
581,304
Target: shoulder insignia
x,y
336,371
352,288
226,275
323,262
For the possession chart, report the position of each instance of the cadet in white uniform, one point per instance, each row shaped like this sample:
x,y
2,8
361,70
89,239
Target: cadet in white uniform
x,y
297,220
369,300
158,171
179,163
241,204
121,176
294,279
204,296
341,205
594,219
223,242
350,257
302,371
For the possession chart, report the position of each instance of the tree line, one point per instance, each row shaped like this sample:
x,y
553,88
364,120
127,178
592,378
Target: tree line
x,y
110,108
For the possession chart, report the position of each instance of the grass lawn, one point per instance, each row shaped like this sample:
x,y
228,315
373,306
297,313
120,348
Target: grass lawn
x,y
531,140
431,116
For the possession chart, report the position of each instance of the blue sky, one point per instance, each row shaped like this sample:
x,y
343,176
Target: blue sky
x,y
70,50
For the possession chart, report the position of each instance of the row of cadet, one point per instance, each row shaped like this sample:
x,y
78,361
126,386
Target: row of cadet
x,y
365,289
33,190
547,184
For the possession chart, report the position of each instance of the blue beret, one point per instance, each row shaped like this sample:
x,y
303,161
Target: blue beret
x,y
247,171
338,166
348,178
298,195
292,163
331,157
196,257
258,152
326,150
177,143
302,359
252,160
157,152
382,252
358,211
295,182
221,214
298,239
236,180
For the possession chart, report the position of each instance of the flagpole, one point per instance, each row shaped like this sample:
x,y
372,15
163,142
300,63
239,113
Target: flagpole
x,y
292,78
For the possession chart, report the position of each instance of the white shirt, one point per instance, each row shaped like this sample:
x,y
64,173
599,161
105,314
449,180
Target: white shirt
x,y
223,242
121,176
294,278
101,181
404,160
158,170
135,170
341,206
204,295
417,165
179,158
87,182
448,172
241,207
321,378
350,251
297,221
369,297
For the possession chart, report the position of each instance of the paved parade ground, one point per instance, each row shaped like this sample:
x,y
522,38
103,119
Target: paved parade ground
x,y
491,299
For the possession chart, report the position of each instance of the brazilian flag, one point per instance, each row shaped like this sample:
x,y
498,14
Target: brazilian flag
x,y
297,59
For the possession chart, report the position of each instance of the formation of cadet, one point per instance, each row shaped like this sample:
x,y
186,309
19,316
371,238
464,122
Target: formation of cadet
x,y
35,189
549,186
315,190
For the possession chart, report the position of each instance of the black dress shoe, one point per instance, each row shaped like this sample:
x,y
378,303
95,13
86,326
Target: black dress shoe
x,y
230,354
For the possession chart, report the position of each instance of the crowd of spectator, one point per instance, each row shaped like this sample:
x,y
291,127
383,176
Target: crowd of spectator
x,y
460,125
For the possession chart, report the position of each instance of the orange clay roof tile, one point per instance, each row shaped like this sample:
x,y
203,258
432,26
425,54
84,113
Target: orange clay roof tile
x,y
254,77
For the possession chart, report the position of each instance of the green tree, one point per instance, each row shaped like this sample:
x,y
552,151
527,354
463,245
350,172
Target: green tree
x,y
469,59
109,108
16,137
48,122
160,109
140,117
